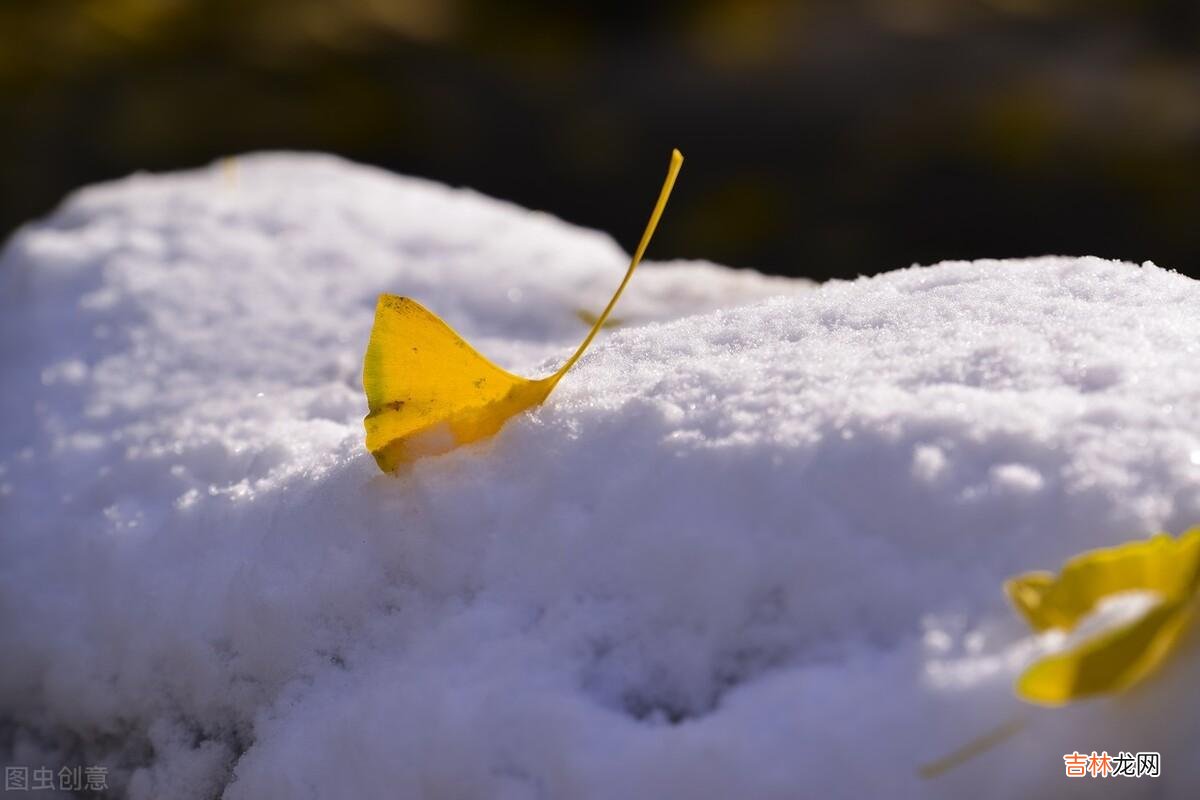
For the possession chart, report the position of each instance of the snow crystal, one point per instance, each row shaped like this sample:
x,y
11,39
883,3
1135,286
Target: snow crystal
x,y
751,547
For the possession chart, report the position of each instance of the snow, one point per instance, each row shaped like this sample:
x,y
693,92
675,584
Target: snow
x,y
751,547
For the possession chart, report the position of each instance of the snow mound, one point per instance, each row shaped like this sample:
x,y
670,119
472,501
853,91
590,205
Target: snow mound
x,y
751,547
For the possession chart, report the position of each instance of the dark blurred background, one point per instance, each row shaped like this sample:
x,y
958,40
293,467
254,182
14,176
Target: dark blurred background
x,y
824,139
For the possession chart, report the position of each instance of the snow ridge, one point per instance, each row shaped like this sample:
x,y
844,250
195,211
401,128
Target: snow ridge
x,y
752,546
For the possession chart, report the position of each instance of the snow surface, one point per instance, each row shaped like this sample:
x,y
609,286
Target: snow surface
x,y
751,547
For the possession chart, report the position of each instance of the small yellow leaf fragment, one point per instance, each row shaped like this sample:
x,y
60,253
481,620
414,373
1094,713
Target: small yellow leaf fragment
x,y
428,391
589,318
229,171
1119,657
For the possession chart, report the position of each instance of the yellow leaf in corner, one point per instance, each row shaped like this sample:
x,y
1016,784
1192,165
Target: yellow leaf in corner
x,y
428,391
1119,657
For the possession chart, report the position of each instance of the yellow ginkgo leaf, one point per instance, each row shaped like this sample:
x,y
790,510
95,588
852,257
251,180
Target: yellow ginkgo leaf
x,y
1159,564
1166,567
429,391
1108,663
